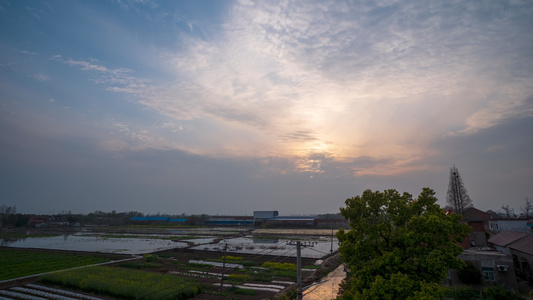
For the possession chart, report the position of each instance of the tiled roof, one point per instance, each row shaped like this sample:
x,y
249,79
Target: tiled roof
x,y
505,238
524,244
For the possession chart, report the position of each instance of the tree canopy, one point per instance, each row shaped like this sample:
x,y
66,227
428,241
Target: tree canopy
x,y
398,247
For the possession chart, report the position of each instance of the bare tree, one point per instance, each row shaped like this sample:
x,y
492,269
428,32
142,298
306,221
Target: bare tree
x,y
527,209
507,211
457,196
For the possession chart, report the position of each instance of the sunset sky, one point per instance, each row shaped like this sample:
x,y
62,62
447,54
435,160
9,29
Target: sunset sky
x,y
226,107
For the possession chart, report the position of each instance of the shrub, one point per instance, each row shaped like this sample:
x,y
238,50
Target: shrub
x,y
461,293
150,257
498,293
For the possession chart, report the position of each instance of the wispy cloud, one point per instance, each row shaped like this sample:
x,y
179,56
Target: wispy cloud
x,y
339,80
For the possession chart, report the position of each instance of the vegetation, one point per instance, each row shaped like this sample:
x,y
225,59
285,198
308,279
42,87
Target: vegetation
x,y
398,247
498,293
125,284
461,293
469,274
279,266
18,263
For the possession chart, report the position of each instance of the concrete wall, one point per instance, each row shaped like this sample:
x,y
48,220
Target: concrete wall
x,y
487,262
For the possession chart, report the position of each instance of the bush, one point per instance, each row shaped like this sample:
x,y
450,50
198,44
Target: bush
x,y
461,293
150,257
498,293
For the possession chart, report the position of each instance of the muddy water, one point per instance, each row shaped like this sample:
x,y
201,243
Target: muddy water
x,y
327,290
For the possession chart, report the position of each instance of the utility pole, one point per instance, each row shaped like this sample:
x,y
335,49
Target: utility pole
x,y
223,268
331,249
299,269
299,266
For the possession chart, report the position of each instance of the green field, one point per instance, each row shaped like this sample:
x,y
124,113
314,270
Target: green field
x,y
19,263
125,283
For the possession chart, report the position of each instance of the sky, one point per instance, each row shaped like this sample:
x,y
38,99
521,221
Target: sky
x,y
226,107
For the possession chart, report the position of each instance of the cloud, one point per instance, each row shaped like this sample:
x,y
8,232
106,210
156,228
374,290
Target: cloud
x,y
374,82
41,77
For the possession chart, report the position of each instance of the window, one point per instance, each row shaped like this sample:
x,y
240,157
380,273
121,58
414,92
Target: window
x,y
493,226
488,273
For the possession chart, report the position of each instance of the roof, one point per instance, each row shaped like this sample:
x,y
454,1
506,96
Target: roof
x,y
149,218
524,244
473,214
177,220
506,237
292,219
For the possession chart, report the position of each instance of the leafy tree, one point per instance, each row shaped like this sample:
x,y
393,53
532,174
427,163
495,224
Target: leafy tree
x,y
398,247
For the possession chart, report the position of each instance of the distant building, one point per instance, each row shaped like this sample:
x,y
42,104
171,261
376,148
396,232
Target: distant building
x,y
230,221
40,221
290,222
260,217
331,223
148,220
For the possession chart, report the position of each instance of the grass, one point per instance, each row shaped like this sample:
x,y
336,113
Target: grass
x,y
125,283
19,263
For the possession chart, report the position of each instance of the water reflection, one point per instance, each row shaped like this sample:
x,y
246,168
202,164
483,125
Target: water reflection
x,y
318,246
93,244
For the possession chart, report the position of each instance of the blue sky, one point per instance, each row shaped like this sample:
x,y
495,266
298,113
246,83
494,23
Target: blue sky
x,y
225,107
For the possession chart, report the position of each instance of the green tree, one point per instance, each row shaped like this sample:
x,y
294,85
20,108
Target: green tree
x,y
398,247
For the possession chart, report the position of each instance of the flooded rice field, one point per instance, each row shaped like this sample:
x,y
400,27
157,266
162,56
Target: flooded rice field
x,y
94,244
316,243
313,247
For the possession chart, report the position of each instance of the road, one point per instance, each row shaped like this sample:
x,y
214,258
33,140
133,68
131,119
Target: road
x,y
327,290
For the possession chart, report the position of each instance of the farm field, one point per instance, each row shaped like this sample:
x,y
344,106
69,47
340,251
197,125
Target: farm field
x,y
258,265
19,262
184,272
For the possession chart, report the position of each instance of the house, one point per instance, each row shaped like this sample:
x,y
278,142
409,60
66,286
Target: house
x,y
40,221
501,241
478,221
497,268
500,225
519,246
522,253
